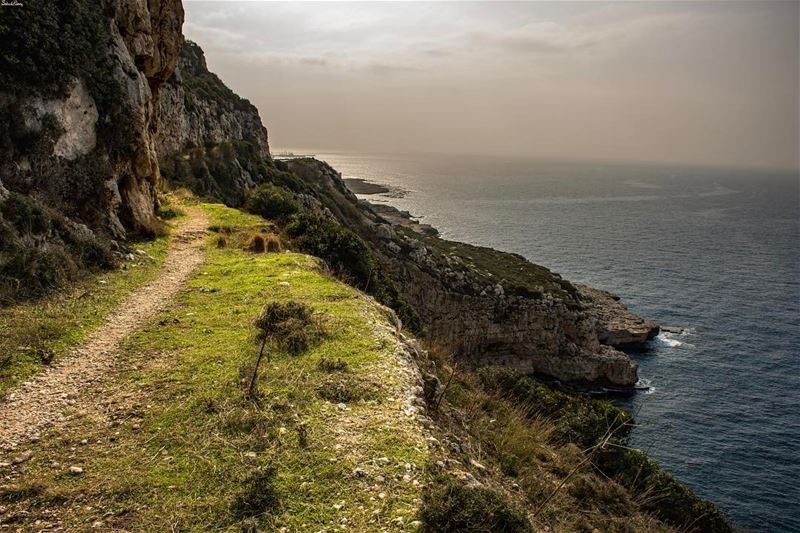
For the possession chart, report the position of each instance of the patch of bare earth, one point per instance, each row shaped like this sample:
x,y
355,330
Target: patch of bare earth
x,y
43,402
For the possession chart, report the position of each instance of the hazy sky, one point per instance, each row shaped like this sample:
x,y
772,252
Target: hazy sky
x,y
712,83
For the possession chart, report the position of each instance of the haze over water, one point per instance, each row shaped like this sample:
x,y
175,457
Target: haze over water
x,y
714,252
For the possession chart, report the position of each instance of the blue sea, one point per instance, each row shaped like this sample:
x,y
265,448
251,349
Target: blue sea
x,y
713,252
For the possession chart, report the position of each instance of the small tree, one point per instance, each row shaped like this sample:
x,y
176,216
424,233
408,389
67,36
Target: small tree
x,y
291,324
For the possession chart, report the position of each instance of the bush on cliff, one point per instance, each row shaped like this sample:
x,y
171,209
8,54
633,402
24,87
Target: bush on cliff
x,y
345,252
580,420
40,250
351,258
451,506
585,422
270,202
666,497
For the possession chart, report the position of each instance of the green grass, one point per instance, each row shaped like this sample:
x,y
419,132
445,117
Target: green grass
x,y
34,332
488,267
185,446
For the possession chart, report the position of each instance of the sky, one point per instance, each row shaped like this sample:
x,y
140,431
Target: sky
x,y
713,83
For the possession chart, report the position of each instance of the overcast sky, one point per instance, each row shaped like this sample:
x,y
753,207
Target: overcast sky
x,y
710,83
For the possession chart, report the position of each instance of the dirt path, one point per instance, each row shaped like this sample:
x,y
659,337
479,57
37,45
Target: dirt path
x,y
42,402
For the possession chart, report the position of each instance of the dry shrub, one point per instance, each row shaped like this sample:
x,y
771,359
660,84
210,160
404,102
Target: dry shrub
x,y
216,228
449,505
257,244
274,243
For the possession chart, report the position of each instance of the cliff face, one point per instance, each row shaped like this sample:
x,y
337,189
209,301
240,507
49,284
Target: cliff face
x,y
197,109
80,83
490,306
210,139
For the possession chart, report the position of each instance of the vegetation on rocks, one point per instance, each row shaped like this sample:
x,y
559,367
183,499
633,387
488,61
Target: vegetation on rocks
x,y
271,202
202,85
488,267
350,257
40,250
450,506
579,419
46,44
534,432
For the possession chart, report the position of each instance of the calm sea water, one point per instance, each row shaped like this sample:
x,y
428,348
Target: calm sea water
x,y
715,252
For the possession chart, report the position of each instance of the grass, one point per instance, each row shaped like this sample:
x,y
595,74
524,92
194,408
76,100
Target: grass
x,y
487,267
525,463
38,332
181,448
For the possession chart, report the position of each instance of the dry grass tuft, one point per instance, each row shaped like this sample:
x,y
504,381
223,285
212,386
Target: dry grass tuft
x,y
274,243
257,244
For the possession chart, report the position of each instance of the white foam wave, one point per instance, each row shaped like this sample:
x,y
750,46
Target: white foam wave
x,y
646,386
669,340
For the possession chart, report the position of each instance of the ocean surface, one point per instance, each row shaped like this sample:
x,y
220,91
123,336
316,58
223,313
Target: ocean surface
x,y
715,252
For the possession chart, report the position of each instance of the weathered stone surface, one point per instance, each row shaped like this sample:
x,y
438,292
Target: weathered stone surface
x,y
532,335
84,143
77,116
210,139
197,109
616,325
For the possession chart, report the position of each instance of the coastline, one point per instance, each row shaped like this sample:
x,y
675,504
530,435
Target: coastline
x,y
618,329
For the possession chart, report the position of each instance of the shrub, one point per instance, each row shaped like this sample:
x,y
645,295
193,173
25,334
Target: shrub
x,y
257,244
227,230
291,325
583,421
40,250
222,242
344,251
667,498
271,202
451,506
258,496
274,243
278,317
350,258
169,213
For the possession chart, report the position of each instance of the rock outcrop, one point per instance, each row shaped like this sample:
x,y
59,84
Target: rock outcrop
x,y
616,325
198,109
79,89
210,139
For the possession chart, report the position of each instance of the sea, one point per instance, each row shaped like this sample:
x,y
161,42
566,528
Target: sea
x,y
712,254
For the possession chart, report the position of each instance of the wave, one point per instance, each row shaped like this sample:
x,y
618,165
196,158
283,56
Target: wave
x,y
645,386
669,339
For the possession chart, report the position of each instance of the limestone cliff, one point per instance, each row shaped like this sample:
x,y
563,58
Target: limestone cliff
x,y
210,138
80,83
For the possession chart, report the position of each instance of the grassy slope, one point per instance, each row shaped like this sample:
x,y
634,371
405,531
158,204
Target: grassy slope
x,y
174,441
52,325
170,442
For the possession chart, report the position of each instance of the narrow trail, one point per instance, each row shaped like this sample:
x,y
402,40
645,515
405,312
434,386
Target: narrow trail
x,y
43,401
